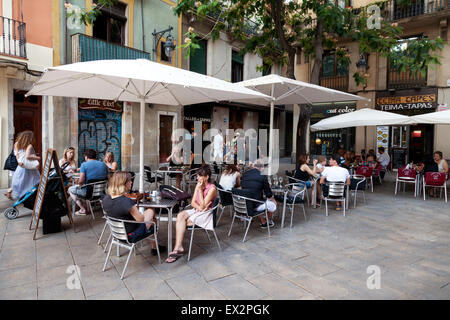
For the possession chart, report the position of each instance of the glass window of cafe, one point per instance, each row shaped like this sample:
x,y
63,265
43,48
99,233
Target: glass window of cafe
x,y
328,142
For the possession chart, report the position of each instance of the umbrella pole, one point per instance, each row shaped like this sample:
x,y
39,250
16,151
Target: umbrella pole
x,y
141,147
271,131
365,139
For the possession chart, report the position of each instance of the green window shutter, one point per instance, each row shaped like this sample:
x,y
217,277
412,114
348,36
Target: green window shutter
x,y
197,62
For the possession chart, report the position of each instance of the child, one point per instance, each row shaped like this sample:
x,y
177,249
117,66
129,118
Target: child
x,y
322,162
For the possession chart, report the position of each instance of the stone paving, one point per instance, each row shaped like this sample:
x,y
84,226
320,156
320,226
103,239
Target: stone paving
x,y
321,258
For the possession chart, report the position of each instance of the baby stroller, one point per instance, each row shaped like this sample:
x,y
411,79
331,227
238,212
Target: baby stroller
x,y
29,197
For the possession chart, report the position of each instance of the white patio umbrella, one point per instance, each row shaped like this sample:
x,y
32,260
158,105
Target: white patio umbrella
x,y
137,81
360,118
439,117
289,91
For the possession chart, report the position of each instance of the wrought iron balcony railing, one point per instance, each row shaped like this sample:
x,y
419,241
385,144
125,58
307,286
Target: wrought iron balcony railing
x,y
85,48
13,39
337,82
397,9
403,80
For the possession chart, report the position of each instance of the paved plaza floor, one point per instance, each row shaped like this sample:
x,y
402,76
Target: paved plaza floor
x,y
407,238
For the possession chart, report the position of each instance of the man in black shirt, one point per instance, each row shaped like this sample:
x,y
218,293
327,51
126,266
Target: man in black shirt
x,y
258,185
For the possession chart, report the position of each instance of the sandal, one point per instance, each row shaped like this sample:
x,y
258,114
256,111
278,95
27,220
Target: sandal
x,y
174,255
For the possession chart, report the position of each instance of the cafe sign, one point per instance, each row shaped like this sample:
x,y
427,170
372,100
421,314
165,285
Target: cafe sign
x,y
320,111
99,104
407,101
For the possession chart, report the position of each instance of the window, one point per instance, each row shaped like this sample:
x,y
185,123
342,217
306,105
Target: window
x,y
341,3
237,67
110,24
197,61
331,67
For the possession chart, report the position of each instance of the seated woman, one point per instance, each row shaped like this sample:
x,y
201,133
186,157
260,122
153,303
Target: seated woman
x,y
440,161
69,159
110,163
230,177
117,205
202,200
371,162
303,172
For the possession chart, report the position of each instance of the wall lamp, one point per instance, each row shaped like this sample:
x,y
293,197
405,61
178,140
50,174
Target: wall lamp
x,y
169,45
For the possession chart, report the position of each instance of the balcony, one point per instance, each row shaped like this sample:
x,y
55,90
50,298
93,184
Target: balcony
x,y
397,9
13,40
85,48
337,82
403,80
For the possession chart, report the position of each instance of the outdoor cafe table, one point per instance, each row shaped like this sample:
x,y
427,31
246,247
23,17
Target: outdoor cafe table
x,y
163,204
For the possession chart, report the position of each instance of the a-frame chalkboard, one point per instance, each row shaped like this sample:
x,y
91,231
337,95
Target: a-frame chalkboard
x,y
50,156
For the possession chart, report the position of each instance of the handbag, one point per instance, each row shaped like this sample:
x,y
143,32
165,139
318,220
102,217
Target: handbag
x,y
172,193
11,162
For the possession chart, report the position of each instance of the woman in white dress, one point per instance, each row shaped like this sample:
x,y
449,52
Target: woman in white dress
x,y
27,173
230,178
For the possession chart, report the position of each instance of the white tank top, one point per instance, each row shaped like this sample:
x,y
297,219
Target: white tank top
x,y
228,181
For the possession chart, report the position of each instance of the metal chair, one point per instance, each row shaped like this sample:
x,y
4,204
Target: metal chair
x,y
435,180
302,183
243,209
152,177
190,179
336,193
225,200
104,228
98,190
95,189
357,183
294,195
192,228
119,238
405,175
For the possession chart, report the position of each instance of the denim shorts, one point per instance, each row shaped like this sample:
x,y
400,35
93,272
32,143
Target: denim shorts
x,y
140,233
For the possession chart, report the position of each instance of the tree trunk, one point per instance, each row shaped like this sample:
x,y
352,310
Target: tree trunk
x,y
306,110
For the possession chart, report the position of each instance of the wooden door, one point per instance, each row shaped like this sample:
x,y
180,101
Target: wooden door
x,y
165,134
236,119
28,116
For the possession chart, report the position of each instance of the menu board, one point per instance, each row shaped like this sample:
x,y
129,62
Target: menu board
x,y
398,157
51,155
383,138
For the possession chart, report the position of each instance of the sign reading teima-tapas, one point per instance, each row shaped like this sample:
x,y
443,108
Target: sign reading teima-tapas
x,y
407,101
99,104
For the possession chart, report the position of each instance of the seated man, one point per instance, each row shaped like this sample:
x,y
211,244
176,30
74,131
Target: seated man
x,y
384,160
335,173
91,169
257,184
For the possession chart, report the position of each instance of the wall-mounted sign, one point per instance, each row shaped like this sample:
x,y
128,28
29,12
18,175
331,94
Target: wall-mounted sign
x,y
99,104
330,110
407,101
197,119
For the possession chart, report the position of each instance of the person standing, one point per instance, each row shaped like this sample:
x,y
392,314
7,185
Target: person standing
x,y
91,169
27,173
218,147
